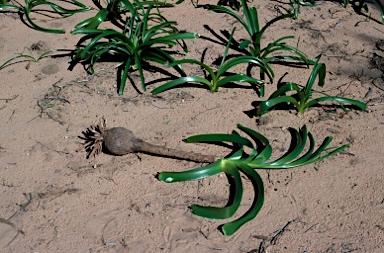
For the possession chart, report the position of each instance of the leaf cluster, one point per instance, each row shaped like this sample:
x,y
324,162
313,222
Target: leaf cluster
x,y
303,97
255,56
144,35
253,44
53,8
26,57
239,161
221,76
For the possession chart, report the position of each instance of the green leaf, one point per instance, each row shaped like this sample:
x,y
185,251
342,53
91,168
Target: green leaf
x,y
296,148
319,69
198,173
258,186
266,106
228,211
381,9
127,66
193,61
30,6
269,23
178,82
94,22
26,57
361,105
238,78
244,44
221,9
219,138
227,47
246,59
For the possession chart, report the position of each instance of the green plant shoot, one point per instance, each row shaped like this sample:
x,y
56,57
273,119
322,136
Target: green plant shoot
x,y
253,44
30,6
303,97
220,77
26,57
138,42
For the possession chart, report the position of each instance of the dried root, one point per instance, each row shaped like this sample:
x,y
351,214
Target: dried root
x,y
94,138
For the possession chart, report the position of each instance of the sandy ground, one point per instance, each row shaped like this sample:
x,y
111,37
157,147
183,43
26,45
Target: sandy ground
x,y
53,199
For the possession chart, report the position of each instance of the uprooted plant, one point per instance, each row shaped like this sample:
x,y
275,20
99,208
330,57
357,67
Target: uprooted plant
x,y
247,163
303,96
121,141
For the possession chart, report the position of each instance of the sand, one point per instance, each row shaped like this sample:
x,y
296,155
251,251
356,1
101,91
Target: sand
x,y
53,199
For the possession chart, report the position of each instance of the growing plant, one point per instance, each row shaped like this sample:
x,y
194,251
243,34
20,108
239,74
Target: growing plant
x,y
253,44
115,11
303,97
358,6
362,5
143,38
234,4
220,77
295,5
30,6
247,163
26,57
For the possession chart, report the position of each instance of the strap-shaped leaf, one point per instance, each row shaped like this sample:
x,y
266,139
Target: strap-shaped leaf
x,y
279,46
361,105
94,22
319,69
297,148
238,154
240,78
252,18
198,173
228,211
221,9
266,106
381,9
307,155
269,23
247,59
169,39
31,4
180,81
262,157
193,61
125,75
258,186
219,138
253,134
